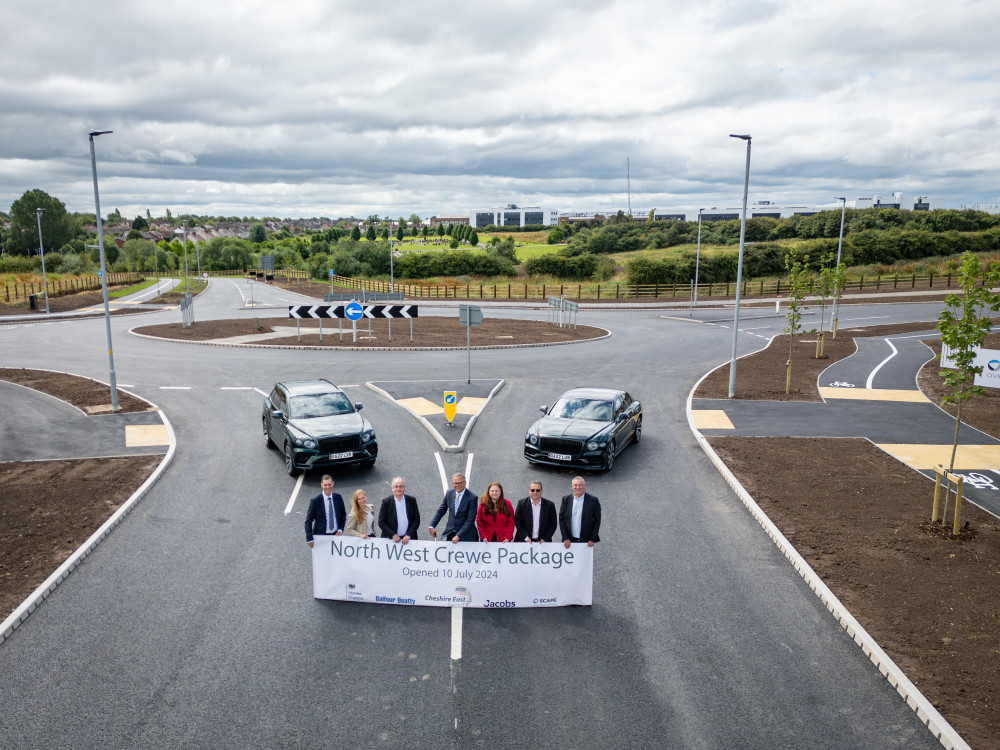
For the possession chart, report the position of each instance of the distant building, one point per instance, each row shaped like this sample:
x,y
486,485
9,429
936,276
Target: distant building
x,y
512,215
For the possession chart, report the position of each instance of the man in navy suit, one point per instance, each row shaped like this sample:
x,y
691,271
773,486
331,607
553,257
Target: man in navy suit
x,y
535,517
461,505
580,515
399,516
318,519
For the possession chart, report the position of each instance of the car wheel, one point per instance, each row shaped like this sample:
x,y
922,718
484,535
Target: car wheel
x,y
268,443
609,460
290,461
638,430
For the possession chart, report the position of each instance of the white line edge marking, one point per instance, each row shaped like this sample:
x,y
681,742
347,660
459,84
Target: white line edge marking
x,y
874,372
265,395
175,388
468,470
235,388
456,634
444,479
295,494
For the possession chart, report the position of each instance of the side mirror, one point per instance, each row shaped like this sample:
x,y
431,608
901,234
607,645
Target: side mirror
x,y
359,407
543,409
278,414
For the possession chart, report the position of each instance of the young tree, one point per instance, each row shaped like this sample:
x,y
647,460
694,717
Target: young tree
x,y
356,233
257,233
400,233
370,233
798,278
824,289
423,232
474,238
964,323
440,230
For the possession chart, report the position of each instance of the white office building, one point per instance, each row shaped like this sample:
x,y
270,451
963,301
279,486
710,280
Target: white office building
x,y
513,215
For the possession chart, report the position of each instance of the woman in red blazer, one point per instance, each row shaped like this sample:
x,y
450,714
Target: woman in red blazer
x,y
495,517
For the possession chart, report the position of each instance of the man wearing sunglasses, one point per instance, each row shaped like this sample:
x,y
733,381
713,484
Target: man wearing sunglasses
x,y
535,517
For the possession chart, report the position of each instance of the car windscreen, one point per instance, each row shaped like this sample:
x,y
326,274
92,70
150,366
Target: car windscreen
x,y
582,408
313,405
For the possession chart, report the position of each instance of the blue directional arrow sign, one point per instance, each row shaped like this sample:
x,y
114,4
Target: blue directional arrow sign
x,y
354,311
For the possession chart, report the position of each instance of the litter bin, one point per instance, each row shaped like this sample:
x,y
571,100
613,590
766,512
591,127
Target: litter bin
x,y
33,301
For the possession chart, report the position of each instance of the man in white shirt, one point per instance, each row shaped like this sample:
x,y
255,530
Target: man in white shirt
x,y
580,515
534,517
398,516
326,512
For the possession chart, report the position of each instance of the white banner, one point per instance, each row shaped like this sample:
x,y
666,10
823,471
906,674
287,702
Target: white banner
x,y
442,574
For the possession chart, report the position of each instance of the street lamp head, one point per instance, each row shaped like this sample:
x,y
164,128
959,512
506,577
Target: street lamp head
x,y
39,211
99,132
840,199
741,137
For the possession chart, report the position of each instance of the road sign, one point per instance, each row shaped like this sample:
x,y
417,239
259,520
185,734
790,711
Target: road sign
x,y
470,315
353,311
450,404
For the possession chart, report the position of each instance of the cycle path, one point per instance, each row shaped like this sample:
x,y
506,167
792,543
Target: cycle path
x,y
872,394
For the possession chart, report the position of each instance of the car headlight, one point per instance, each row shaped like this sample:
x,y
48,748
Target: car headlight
x,y
367,436
593,445
533,439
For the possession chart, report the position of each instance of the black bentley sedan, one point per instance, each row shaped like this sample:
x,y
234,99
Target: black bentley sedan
x,y
586,427
316,426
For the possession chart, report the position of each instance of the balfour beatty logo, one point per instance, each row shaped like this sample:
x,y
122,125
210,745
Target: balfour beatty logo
x,y
504,603
394,600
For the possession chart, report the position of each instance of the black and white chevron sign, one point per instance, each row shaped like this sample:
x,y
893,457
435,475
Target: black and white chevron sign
x,y
338,311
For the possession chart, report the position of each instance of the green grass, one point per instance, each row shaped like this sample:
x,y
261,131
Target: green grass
x,y
132,289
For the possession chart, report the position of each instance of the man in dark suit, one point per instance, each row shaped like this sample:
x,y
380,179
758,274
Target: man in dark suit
x,y
398,516
461,505
320,508
580,515
534,517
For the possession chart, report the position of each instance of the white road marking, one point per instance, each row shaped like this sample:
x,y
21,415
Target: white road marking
x,y
295,494
871,377
175,388
236,388
456,635
468,470
265,395
444,479
871,317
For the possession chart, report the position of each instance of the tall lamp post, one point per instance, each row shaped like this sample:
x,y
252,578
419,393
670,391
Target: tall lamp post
x,y
739,269
840,244
697,259
41,248
104,270
183,233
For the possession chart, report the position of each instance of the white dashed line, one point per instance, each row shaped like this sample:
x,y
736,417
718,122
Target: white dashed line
x,y
175,388
295,494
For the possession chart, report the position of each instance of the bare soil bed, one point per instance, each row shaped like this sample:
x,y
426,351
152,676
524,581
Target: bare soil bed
x,y
860,518
62,303
427,332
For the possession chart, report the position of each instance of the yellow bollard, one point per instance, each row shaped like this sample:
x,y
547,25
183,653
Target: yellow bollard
x,y
958,505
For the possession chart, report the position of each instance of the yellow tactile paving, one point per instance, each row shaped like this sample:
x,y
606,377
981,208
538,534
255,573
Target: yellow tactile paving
x,y
468,405
137,435
874,394
421,406
711,419
921,457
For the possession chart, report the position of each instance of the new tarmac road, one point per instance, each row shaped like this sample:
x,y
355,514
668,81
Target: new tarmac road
x,y
193,624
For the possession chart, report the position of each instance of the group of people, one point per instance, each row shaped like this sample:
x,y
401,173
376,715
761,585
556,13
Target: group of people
x,y
470,518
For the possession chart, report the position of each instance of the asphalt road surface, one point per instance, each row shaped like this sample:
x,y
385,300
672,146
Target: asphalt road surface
x,y
193,624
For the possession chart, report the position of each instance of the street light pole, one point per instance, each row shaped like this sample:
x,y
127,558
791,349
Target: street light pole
x,y
840,244
104,270
45,280
187,283
739,269
697,259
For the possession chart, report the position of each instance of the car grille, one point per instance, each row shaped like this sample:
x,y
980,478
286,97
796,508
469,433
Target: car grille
x,y
340,445
560,445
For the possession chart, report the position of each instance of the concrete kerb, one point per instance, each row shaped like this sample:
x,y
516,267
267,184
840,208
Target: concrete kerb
x,y
925,711
29,605
430,428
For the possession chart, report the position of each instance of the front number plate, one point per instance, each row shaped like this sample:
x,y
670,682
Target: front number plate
x,y
338,456
559,457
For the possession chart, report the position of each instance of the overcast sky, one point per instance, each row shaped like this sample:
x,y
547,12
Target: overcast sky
x,y
310,107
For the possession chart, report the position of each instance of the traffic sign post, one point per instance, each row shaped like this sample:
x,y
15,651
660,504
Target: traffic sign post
x,y
353,311
469,316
